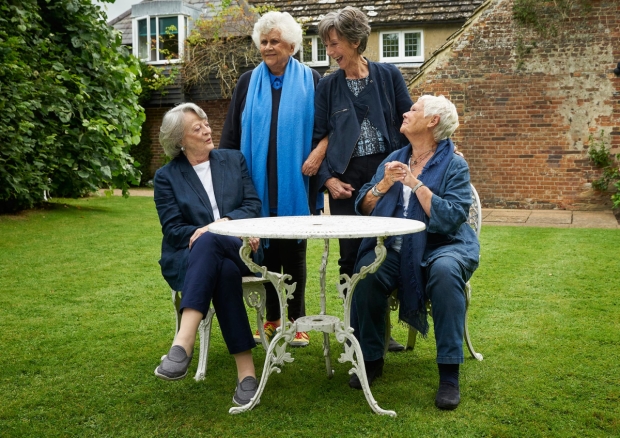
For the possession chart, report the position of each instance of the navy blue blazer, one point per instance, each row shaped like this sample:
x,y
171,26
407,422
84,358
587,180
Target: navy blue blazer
x,y
183,205
339,113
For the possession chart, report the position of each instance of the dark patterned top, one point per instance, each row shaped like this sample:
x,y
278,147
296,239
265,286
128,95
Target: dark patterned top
x,y
370,141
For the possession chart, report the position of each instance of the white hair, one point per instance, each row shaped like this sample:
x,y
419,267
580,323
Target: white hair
x,y
448,116
290,30
172,128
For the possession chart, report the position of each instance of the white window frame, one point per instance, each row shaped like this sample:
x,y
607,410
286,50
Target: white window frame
x,y
401,46
313,61
181,32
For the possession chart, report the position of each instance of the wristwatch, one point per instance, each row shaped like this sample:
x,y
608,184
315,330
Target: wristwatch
x,y
375,192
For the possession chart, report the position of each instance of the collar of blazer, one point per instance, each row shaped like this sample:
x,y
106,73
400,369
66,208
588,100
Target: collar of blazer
x,y
217,161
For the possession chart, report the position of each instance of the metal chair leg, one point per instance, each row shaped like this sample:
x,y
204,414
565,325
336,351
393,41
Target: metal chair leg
x,y
476,355
204,331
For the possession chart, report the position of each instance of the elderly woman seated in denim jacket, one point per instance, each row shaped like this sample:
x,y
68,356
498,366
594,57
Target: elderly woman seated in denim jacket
x,y
427,182
202,185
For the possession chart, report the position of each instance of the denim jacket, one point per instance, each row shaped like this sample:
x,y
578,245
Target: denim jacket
x,y
340,114
448,231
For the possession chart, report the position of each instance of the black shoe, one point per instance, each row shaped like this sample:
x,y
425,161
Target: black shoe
x,y
394,346
448,396
374,369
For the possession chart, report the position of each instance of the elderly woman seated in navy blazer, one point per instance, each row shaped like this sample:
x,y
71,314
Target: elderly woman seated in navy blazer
x,y
428,182
202,185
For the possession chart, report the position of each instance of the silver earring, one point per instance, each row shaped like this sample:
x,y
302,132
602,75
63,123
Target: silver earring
x,y
182,148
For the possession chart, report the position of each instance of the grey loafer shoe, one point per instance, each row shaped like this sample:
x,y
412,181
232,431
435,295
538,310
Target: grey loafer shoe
x,y
174,365
246,389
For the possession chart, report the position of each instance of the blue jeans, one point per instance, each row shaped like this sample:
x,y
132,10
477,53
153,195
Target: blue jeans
x,y
214,272
445,287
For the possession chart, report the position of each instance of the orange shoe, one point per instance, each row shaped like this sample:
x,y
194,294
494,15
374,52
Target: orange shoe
x,y
301,340
270,331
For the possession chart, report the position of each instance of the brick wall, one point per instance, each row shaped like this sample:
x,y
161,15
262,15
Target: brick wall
x,y
525,123
216,111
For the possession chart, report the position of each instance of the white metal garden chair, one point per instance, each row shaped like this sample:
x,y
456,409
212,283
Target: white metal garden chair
x,y
475,221
254,296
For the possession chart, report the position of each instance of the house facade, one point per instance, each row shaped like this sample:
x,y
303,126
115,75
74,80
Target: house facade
x,y
404,32
529,116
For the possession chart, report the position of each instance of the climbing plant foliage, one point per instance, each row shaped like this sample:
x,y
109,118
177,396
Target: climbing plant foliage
x,y
601,157
221,47
69,105
546,19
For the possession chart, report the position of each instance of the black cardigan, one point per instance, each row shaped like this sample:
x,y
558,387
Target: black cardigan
x,y
339,113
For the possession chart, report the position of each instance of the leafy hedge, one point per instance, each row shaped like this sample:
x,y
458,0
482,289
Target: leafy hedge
x,y
69,103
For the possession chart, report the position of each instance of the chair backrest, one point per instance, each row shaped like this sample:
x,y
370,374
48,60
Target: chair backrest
x,y
475,211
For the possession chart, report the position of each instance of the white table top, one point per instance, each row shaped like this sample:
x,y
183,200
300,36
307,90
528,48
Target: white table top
x,y
307,227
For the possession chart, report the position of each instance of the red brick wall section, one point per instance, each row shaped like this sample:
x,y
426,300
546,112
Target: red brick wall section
x,y
525,128
216,111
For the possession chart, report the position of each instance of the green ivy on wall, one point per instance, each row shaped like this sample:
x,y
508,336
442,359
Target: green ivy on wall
x,y
601,157
544,18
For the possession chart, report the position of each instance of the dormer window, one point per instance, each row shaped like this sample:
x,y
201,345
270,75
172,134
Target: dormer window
x,y
159,39
160,29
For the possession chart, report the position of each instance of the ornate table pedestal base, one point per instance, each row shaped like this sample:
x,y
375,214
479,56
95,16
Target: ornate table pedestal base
x,y
276,353
316,227
352,351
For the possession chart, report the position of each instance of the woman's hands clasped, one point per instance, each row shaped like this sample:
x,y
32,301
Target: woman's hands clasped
x,y
397,171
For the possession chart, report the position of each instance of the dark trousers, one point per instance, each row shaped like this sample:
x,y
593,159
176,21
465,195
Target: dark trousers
x,y
445,288
286,256
359,172
214,272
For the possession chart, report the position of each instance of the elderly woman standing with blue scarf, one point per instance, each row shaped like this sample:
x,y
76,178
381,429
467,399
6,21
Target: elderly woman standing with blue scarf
x,y
427,182
270,119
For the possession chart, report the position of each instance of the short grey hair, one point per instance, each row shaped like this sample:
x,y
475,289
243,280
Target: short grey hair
x,y
172,128
290,30
349,23
448,116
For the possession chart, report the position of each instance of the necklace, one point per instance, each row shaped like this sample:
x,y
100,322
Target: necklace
x,y
415,162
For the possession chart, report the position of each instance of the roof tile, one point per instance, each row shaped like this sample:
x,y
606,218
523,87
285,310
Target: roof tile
x,y
381,12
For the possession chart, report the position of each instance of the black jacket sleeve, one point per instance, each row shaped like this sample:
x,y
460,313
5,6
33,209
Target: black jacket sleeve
x,y
231,133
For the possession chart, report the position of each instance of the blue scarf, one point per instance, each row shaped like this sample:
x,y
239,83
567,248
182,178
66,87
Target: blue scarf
x,y
412,283
294,136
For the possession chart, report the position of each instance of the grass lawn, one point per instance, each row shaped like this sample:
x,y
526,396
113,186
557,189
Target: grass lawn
x,y
86,316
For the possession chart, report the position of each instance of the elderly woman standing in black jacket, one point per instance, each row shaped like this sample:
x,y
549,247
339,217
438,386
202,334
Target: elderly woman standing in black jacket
x,y
360,107
270,120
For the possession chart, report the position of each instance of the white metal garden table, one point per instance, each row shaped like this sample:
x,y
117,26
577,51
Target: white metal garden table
x,y
316,227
